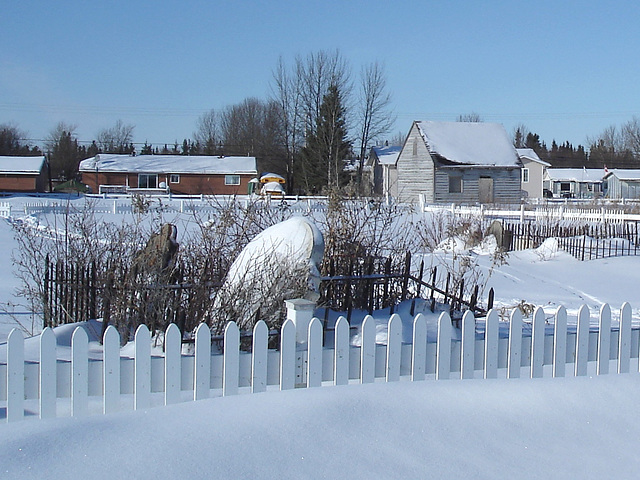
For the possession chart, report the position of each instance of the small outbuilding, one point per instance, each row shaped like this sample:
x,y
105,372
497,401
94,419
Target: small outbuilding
x,y
189,175
458,162
23,174
622,184
381,166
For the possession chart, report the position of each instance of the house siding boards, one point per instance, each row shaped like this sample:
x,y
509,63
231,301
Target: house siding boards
x,y
506,184
623,185
382,170
533,188
415,169
422,171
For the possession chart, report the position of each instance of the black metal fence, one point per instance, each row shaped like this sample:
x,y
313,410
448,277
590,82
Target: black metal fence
x,y
585,242
373,284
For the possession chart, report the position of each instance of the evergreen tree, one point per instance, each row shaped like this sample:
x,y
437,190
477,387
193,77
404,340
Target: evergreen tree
x,y
147,149
327,147
65,154
11,142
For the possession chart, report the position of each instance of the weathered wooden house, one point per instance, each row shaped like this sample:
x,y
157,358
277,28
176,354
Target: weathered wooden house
x,y
574,182
458,162
622,184
533,170
23,174
381,166
190,175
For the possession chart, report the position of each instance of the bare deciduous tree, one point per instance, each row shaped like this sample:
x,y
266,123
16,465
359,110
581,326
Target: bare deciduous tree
x,y
207,133
117,139
374,116
254,127
470,117
287,95
317,72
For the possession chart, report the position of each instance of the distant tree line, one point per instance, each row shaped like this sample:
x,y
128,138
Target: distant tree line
x,y
315,128
614,147
318,119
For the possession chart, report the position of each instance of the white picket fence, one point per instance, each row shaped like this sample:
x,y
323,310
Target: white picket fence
x,y
52,387
539,213
200,204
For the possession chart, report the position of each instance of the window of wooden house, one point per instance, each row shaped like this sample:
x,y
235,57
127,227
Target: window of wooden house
x,y
455,184
525,175
174,178
232,179
147,180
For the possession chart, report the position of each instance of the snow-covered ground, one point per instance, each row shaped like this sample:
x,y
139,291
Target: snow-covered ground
x,y
544,428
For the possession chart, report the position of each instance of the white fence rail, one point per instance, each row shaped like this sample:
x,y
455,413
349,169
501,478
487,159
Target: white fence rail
x,y
201,204
53,387
5,210
540,213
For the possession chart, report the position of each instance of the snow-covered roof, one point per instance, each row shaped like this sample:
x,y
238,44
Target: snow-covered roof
x,y
21,165
387,155
530,154
272,177
470,143
169,164
625,174
588,175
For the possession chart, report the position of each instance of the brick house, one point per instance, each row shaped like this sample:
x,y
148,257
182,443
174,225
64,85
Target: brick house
x,y
179,174
23,174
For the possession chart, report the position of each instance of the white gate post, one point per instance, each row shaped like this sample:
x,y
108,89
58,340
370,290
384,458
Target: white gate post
x,y
300,312
15,376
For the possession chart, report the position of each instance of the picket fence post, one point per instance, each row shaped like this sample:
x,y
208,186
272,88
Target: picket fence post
x,y
491,345
560,342
288,355
537,343
624,339
443,355
394,347
515,344
582,341
300,311
259,357
467,352
202,362
419,350
142,368
314,354
15,376
341,352
48,363
231,360
172,364
368,350
111,370
79,373
604,340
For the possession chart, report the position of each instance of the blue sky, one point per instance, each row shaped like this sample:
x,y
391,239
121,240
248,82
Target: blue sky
x,y
565,69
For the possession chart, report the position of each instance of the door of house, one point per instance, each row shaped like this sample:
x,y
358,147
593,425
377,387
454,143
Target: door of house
x,y
485,189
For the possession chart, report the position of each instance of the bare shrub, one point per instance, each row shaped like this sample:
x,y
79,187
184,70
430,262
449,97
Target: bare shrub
x,y
361,229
